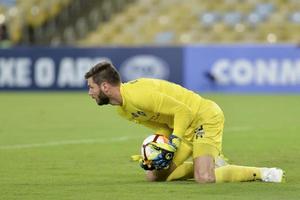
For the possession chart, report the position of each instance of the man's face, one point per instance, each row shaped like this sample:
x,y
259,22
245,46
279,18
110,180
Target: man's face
x,y
96,93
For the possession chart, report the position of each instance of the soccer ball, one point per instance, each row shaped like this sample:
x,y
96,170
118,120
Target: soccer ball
x,y
149,151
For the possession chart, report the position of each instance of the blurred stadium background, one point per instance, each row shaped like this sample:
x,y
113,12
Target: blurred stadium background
x,y
147,22
56,144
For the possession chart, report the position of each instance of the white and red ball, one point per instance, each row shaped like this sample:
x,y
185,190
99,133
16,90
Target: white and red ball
x,y
148,151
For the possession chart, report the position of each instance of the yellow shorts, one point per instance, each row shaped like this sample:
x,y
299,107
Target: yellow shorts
x,y
207,139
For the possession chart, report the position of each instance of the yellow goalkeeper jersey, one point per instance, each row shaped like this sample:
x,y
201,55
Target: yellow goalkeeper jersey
x,y
164,107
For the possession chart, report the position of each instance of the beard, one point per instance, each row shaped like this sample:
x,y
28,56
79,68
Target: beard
x,y
102,99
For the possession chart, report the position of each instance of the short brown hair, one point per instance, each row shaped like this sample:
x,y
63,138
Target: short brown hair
x,y
104,71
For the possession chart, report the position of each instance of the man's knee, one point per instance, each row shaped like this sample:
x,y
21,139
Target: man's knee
x,y
204,178
204,169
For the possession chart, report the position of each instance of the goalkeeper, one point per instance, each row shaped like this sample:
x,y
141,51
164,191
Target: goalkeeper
x,y
193,124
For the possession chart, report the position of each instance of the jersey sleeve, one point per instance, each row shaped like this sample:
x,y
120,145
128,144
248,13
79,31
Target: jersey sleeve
x,y
158,128
159,102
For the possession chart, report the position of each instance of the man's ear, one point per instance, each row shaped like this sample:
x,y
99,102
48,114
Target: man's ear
x,y
104,86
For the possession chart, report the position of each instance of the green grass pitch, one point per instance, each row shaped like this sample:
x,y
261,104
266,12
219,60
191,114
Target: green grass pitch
x,y
63,146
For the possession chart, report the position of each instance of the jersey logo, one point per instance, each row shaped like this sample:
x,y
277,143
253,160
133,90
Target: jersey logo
x,y
155,117
134,115
199,132
141,113
138,114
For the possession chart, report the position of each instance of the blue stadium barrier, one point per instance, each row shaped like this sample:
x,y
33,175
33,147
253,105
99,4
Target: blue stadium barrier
x,y
47,69
242,68
211,68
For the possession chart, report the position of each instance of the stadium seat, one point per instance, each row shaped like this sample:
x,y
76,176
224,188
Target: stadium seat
x,y
295,17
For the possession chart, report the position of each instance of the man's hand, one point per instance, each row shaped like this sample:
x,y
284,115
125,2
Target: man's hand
x,y
165,154
163,160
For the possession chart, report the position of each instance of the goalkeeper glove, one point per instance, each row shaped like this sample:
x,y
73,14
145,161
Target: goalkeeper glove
x,y
163,160
174,141
146,166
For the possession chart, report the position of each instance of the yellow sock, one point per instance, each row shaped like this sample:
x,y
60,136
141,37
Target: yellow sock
x,y
235,173
228,173
183,171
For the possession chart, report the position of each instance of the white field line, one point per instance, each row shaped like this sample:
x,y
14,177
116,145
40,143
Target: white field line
x,y
93,141
65,142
